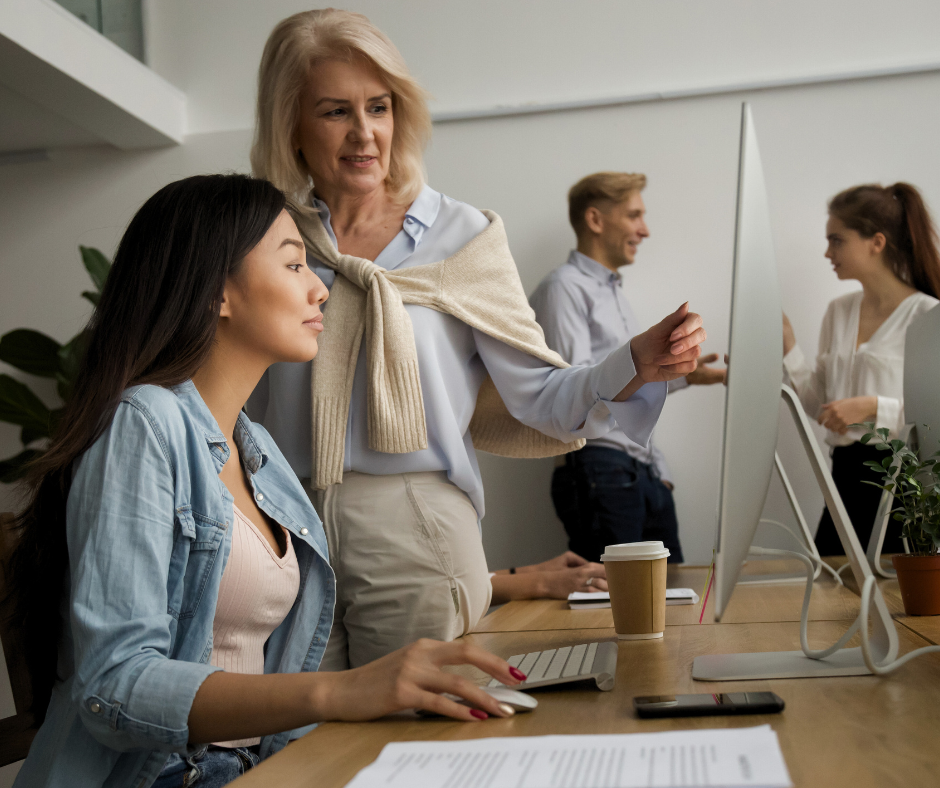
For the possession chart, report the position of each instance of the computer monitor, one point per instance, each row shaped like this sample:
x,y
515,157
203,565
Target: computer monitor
x,y
922,380
755,372
752,406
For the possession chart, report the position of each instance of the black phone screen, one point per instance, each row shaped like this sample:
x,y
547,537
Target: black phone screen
x,y
702,705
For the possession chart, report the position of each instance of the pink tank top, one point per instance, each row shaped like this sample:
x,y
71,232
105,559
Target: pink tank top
x,y
256,593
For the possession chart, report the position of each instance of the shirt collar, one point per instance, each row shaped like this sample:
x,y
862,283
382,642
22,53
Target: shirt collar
x,y
594,269
251,455
419,217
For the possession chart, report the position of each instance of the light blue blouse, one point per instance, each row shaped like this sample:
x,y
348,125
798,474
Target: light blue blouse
x,y
454,360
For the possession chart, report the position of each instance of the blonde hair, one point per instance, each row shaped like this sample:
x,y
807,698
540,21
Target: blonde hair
x,y
600,188
293,47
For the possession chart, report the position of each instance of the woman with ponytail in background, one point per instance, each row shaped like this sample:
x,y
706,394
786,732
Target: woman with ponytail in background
x,y
884,238
171,577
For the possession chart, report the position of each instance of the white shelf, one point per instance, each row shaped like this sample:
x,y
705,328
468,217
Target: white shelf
x,y
74,76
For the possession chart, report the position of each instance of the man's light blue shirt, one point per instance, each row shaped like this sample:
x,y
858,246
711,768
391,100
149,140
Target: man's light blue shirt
x,y
585,315
453,361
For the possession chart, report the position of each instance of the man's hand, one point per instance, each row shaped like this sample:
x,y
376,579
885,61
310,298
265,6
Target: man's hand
x,y
789,338
666,351
705,375
838,415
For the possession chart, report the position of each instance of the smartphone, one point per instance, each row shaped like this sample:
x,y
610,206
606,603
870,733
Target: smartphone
x,y
706,705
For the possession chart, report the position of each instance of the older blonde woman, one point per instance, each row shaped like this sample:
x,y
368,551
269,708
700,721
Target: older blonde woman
x,y
452,359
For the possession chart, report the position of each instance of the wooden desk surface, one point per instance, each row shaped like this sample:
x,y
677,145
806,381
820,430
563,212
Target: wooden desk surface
x,y
927,627
749,604
852,731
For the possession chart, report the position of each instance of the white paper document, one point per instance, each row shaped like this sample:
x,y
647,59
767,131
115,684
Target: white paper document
x,y
595,600
727,757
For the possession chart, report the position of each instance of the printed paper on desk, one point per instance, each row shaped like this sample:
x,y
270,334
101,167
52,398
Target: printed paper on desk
x,y
723,757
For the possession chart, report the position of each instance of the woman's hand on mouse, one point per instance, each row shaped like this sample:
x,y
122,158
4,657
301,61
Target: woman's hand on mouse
x,y
412,678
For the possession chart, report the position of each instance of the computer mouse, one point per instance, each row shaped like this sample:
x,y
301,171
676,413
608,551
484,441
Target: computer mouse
x,y
510,701
509,698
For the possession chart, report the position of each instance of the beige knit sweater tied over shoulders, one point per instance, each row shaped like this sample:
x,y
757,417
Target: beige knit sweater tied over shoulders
x,y
478,285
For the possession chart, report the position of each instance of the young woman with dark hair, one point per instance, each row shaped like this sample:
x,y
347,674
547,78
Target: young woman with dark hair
x,y
884,238
171,575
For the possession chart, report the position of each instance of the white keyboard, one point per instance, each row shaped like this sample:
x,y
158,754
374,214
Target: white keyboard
x,y
597,661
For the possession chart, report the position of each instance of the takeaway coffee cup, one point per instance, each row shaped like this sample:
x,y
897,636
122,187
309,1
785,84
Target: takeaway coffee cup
x,y
636,577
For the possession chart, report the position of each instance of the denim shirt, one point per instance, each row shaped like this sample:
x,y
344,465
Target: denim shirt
x,y
148,525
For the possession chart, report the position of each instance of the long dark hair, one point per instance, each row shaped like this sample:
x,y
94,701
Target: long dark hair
x,y
155,323
900,214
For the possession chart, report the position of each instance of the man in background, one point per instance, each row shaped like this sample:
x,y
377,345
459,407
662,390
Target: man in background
x,y
613,490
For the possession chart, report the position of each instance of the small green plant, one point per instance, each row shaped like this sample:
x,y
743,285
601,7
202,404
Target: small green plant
x,y
915,484
37,354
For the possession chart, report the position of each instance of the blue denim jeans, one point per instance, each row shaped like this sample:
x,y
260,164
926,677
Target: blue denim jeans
x,y
211,767
603,496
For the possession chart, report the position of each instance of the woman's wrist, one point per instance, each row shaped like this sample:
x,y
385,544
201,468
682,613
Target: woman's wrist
x,y
320,696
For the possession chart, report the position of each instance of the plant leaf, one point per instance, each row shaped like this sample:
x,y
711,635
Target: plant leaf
x,y
70,358
13,469
96,264
92,296
28,435
866,438
18,405
30,351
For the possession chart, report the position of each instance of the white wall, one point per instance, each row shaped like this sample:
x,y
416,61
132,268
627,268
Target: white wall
x,y
814,141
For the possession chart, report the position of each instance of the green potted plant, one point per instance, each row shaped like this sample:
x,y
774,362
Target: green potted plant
x,y
915,484
37,354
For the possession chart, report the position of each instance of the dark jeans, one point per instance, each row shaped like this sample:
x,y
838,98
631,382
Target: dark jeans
x,y
861,501
603,496
211,767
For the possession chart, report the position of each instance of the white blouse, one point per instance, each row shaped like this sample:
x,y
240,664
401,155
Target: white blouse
x,y
453,361
874,369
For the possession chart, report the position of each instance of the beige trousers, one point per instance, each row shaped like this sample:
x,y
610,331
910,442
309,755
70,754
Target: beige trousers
x,y
409,563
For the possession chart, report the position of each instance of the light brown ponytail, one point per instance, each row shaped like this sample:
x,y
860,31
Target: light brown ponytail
x,y
899,213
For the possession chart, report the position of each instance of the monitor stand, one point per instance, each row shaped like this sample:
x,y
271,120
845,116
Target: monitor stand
x,y
788,578
795,664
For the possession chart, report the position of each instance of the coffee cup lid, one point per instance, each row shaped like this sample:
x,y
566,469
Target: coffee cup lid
x,y
635,551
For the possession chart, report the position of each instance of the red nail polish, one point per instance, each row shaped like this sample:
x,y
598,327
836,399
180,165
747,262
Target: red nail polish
x,y
479,714
517,674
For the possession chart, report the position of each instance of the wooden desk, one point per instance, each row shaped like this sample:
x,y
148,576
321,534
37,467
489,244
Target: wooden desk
x,y
749,604
853,731
928,627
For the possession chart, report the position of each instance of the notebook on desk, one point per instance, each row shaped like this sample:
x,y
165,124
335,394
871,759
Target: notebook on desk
x,y
595,600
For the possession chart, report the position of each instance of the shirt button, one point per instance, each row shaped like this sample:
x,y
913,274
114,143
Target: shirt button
x,y
95,708
304,532
259,497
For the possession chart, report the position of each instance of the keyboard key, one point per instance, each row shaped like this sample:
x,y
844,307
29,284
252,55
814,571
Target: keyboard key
x,y
573,665
541,665
515,659
558,662
530,659
588,665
